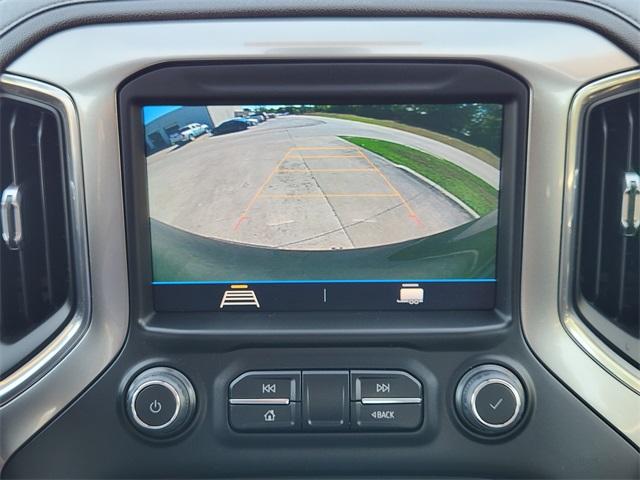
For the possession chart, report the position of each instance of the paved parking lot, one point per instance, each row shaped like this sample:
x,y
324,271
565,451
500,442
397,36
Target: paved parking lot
x,y
292,183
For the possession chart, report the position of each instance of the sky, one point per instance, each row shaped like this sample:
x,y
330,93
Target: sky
x,y
150,113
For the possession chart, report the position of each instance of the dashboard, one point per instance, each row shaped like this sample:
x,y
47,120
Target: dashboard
x,y
343,241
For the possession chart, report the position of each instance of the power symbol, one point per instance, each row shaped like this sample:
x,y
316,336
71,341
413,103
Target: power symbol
x,y
155,406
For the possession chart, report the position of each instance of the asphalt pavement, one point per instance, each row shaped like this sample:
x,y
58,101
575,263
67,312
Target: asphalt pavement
x,y
291,183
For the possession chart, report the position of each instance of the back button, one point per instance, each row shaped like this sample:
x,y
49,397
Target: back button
x,y
386,417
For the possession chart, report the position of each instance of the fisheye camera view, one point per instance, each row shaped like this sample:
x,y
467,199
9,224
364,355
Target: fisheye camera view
x,y
232,188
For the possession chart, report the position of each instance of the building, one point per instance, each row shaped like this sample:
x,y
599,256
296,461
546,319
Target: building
x,y
157,132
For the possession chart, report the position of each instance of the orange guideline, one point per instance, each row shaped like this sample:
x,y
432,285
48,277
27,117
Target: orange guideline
x,y
360,154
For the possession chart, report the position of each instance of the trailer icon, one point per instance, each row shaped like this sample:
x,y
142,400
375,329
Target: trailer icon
x,y
411,293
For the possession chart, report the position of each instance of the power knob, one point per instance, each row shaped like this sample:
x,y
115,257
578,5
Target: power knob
x,y
490,399
160,401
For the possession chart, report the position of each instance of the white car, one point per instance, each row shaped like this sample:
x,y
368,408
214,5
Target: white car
x,y
252,122
189,133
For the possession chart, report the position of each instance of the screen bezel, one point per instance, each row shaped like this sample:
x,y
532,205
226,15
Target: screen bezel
x,y
321,82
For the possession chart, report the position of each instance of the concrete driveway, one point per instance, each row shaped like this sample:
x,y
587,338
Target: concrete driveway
x,y
291,183
339,127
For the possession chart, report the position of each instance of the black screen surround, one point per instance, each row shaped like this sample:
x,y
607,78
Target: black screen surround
x,y
321,82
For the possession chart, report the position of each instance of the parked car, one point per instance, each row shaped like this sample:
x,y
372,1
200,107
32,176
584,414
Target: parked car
x,y
235,125
249,121
188,133
260,117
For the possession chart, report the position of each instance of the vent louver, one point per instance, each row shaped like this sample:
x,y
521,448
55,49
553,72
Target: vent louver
x,y
608,239
35,280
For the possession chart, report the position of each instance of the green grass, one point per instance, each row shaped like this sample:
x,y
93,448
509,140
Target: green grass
x,y
478,152
473,191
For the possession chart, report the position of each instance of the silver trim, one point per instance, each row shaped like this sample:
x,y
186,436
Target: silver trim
x,y
52,353
85,346
11,213
573,324
513,391
390,401
259,401
134,412
630,209
612,332
99,57
551,327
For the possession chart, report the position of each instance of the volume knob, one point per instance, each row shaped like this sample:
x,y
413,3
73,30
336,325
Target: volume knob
x,y
160,401
490,399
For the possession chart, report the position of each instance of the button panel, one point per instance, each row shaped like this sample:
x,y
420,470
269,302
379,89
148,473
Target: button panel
x,y
326,401
265,401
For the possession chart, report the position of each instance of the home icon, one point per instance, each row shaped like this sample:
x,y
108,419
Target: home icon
x,y
270,416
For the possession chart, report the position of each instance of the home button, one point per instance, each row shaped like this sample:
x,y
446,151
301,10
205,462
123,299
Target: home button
x,y
264,417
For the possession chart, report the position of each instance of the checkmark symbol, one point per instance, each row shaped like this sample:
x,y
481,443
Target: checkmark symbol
x,y
497,404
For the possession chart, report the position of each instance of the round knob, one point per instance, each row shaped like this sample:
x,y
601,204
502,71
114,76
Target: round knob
x,y
160,401
490,399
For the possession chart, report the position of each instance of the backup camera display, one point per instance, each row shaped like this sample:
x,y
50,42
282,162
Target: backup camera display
x,y
304,207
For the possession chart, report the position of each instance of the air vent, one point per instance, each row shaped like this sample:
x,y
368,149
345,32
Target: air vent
x,y
609,239
35,250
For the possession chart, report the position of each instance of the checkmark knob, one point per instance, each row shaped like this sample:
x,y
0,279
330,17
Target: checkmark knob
x,y
490,399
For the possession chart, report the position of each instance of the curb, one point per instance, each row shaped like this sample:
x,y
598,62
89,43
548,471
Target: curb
x,y
448,194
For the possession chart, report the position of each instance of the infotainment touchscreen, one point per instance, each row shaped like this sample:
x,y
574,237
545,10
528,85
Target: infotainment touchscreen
x,y
323,207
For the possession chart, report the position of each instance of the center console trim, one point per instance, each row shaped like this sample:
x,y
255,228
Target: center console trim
x,y
99,57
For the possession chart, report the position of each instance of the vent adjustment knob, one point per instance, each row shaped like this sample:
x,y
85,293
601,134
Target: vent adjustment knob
x,y
160,401
490,399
